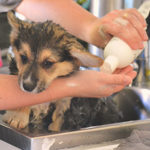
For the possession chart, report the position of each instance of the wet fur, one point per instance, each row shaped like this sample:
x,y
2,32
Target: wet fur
x,y
43,52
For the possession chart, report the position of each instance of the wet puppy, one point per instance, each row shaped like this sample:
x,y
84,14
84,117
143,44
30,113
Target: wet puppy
x,y
43,52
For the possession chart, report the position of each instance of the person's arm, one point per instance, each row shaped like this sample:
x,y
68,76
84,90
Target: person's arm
x,y
86,26
77,85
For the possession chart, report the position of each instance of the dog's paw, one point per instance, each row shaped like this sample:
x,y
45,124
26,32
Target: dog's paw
x,y
58,119
55,126
58,114
15,119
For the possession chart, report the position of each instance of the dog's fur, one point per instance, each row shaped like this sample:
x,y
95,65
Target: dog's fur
x,y
43,52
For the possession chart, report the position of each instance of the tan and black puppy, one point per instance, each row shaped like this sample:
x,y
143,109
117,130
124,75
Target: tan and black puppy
x,y
43,52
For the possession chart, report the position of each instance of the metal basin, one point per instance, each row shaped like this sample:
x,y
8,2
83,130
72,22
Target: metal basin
x,y
134,103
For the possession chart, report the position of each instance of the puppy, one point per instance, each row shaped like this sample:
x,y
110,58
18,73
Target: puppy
x,y
43,52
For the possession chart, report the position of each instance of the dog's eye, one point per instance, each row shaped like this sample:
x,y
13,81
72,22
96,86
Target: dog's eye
x,y
24,59
47,64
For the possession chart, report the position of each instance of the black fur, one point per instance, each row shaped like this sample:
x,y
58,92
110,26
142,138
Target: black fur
x,y
86,112
13,67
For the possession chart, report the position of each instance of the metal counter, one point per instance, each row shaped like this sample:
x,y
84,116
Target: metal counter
x,y
44,140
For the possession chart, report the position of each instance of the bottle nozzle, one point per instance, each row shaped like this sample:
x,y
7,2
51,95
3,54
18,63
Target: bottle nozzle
x,y
110,64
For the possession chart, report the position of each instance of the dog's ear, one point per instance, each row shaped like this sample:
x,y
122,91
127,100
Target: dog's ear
x,y
16,22
86,58
13,21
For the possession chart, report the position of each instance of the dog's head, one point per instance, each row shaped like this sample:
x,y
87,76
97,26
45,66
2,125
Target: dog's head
x,y
45,51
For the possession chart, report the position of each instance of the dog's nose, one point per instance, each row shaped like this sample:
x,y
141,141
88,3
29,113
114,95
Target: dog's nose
x,y
29,86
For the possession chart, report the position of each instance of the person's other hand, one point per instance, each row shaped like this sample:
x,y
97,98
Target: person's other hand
x,y
128,24
91,83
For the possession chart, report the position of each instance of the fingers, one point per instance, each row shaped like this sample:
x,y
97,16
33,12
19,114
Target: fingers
x,y
122,76
108,90
138,15
118,87
137,25
126,32
101,84
132,74
128,25
124,70
127,71
116,79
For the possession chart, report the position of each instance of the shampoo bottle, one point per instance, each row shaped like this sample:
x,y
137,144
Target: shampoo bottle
x,y
117,53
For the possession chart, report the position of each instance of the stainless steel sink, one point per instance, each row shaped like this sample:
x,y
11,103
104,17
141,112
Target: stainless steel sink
x,y
134,103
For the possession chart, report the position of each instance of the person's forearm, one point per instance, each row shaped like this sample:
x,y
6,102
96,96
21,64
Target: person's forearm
x,y
126,24
67,13
11,96
77,85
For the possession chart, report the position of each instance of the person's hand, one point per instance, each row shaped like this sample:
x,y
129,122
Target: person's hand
x,y
81,84
128,24
91,83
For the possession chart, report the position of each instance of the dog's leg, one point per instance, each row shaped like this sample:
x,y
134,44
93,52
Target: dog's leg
x,y
18,118
58,115
40,111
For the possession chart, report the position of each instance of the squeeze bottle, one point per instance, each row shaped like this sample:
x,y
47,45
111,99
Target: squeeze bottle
x,y
117,53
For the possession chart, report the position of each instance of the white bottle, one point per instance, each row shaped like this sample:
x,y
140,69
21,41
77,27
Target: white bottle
x,y
117,53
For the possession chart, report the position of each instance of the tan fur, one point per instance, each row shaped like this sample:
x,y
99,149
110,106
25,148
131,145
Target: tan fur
x,y
26,50
47,54
59,68
58,115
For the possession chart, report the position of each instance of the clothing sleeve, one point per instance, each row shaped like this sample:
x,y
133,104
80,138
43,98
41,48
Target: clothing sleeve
x,y
6,5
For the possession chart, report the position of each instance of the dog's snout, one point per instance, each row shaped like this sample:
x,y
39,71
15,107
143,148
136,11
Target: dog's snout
x,y
29,86
29,82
